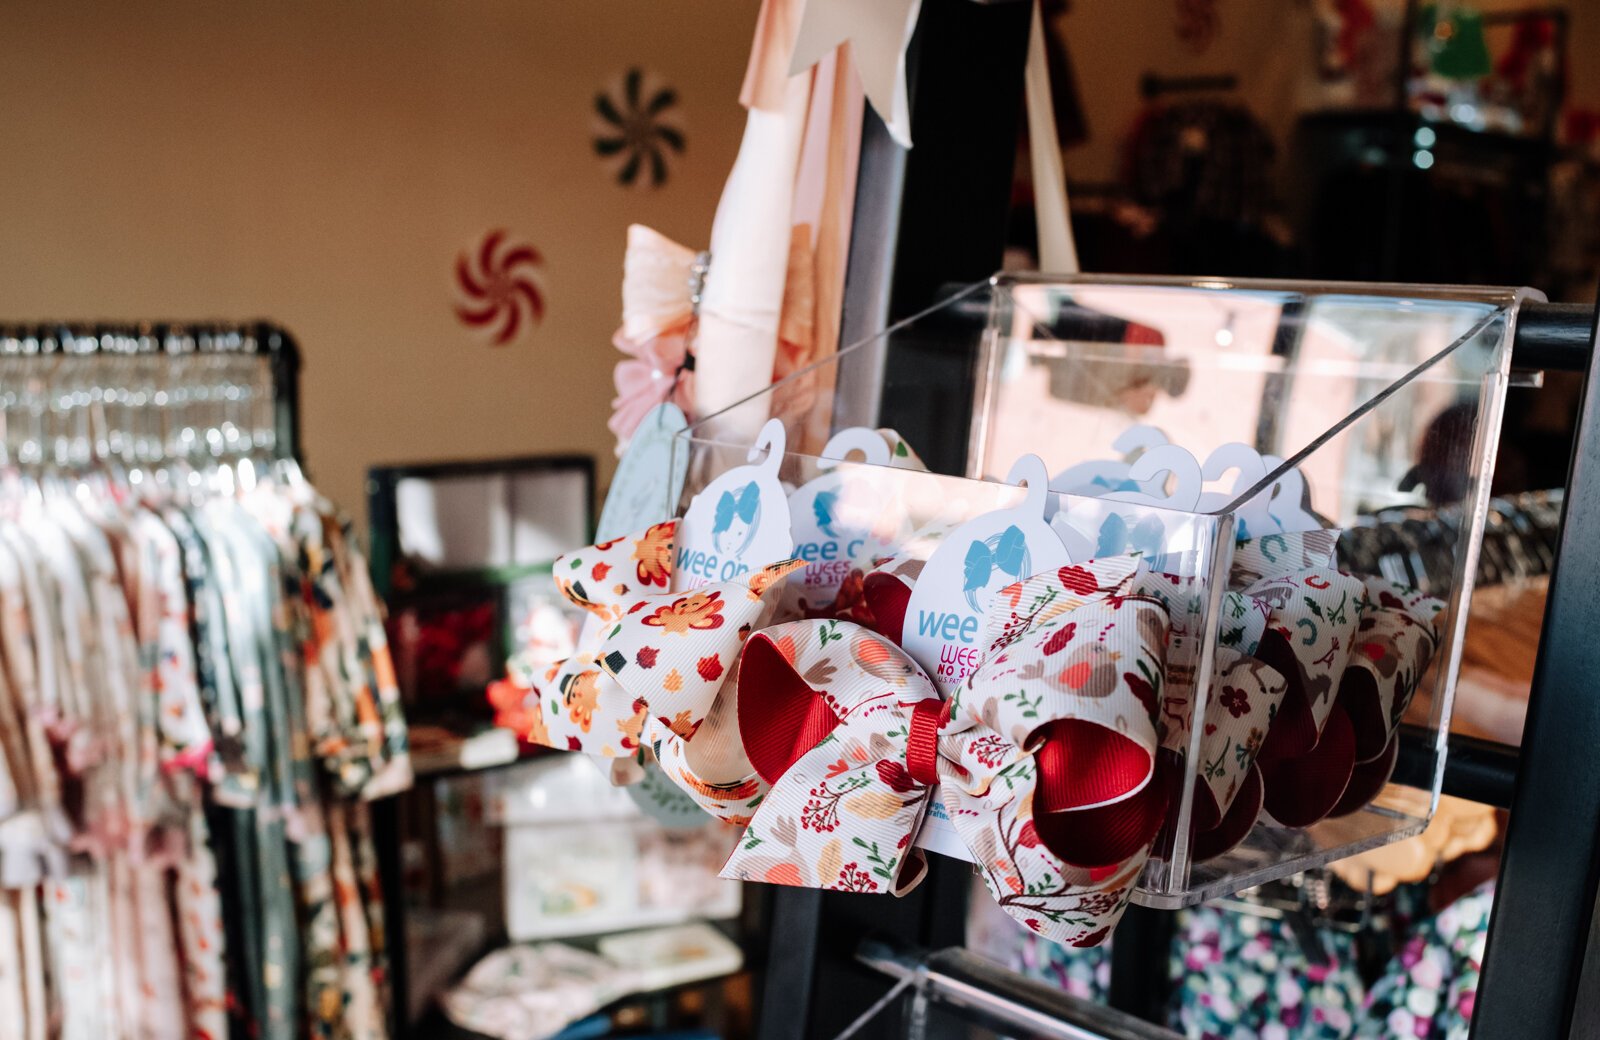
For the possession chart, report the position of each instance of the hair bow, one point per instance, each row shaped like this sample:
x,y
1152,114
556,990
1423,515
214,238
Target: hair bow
x,y
1047,756
643,675
603,580
1352,652
1056,760
672,309
657,322
1059,756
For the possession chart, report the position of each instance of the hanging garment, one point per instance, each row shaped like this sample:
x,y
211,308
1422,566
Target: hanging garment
x,y
1243,977
196,701
1430,987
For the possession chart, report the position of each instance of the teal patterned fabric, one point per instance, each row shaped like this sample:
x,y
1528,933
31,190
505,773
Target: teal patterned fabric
x,y
1082,972
1429,989
1240,977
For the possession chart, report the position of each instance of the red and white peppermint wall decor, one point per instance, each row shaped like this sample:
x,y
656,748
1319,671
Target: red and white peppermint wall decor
x,y
497,288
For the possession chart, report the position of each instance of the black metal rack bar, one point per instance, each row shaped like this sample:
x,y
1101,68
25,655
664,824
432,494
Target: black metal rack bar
x,y
1542,930
1477,770
1555,336
1001,1000
173,339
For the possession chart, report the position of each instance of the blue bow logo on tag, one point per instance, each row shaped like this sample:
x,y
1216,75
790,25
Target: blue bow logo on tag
x,y
824,507
1004,555
738,515
1147,537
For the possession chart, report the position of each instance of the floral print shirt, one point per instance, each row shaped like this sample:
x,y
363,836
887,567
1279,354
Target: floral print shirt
x,y
177,856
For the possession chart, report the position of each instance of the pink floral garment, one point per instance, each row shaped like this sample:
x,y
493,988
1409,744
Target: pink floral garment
x,y
80,958
200,933
653,372
23,999
23,840
28,645
184,748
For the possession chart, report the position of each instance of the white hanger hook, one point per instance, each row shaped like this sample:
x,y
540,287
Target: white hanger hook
x,y
1030,471
863,439
773,439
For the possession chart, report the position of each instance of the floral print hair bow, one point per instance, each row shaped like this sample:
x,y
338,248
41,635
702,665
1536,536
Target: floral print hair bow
x,y
650,666
1352,652
1046,757
1056,760
1228,803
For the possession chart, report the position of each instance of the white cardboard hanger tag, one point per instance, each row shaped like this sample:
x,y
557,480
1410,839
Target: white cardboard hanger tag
x,y
945,616
843,518
739,522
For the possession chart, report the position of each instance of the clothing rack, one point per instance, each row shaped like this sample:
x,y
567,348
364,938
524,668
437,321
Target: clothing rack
x,y
83,339
1541,976
60,344
1413,546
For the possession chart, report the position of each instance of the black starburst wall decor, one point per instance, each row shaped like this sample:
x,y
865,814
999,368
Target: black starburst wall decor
x,y
636,129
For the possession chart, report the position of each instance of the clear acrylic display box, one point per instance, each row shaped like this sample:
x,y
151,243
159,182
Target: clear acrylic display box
x,y
1364,402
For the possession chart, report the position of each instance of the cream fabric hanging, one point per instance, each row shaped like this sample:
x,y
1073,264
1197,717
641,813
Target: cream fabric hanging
x,y
1058,252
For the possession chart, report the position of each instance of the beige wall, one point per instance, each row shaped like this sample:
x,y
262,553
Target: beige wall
x,y
322,162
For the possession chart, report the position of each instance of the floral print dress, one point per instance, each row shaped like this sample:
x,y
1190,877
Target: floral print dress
x,y
178,858
1431,985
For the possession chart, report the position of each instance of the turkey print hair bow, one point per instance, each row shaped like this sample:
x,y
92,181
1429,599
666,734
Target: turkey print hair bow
x,y
644,675
1046,758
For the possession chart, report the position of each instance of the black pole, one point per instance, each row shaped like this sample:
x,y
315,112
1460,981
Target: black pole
x,y
1542,928
284,354
1139,981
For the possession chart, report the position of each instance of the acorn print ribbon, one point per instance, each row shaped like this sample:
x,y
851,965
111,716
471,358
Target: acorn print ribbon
x,y
650,666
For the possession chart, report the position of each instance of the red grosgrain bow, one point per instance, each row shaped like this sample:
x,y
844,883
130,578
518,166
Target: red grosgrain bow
x,y
650,666
1047,755
1229,801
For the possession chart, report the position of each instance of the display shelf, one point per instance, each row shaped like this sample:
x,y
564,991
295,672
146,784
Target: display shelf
x,y
454,755
1258,409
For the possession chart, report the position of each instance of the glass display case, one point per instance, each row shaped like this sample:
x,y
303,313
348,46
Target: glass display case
x,y
1207,428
